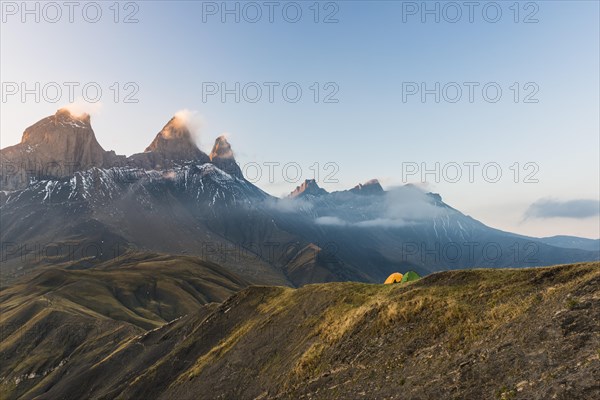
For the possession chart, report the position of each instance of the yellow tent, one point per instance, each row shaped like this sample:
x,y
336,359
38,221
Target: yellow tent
x,y
396,277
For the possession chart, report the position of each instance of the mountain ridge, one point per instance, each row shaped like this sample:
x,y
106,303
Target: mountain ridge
x,y
197,207
309,187
61,144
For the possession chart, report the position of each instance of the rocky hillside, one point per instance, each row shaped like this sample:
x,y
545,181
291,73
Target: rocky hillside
x,y
470,334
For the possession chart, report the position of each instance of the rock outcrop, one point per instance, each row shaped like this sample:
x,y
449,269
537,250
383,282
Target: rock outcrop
x,y
370,187
172,146
56,146
308,188
222,157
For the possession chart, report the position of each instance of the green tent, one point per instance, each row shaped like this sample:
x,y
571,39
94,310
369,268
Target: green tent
x,y
410,276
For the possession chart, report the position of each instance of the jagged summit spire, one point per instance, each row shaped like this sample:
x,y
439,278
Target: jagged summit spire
x,y
308,188
221,149
370,187
174,136
222,157
173,145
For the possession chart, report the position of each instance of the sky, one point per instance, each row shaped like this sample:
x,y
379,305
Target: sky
x,y
495,107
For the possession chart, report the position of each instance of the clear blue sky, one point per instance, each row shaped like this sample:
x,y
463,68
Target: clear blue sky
x,y
368,54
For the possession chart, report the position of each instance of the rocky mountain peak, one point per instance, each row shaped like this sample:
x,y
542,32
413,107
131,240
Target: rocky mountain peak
x,y
222,157
308,188
174,137
370,187
60,127
221,149
55,146
66,114
173,145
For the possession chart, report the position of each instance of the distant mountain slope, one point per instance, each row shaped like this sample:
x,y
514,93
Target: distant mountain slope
x,y
59,315
476,334
99,213
313,264
572,242
143,289
404,228
201,210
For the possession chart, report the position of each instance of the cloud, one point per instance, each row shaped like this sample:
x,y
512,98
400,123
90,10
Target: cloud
x,y
383,223
399,207
410,203
371,223
80,107
191,120
550,208
331,221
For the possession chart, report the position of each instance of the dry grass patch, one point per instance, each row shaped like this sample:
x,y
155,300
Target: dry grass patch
x,y
218,351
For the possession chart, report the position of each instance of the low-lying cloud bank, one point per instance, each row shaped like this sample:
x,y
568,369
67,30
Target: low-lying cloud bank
x,y
550,208
400,207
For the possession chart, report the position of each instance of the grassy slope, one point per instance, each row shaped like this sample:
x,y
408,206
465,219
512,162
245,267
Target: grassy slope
x,y
146,290
58,315
516,333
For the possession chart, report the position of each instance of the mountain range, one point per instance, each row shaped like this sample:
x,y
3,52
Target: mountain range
x,y
65,199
